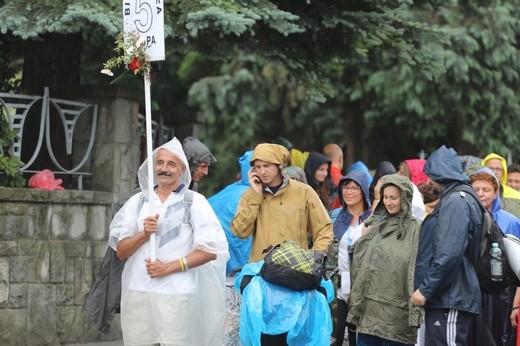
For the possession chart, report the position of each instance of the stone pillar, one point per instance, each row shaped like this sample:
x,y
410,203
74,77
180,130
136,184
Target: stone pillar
x,y
116,153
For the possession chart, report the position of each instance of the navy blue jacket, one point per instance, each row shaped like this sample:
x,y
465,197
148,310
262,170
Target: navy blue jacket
x,y
451,232
342,218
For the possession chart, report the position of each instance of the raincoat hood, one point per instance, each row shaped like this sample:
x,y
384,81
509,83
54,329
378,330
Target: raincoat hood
x,y
503,163
361,180
196,152
272,153
469,162
296,173
416,167
243,161
406,189
496,202
384,168
173,146
361,167
443,166
314,161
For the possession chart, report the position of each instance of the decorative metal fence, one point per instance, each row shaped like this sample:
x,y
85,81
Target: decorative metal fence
x,y
17,107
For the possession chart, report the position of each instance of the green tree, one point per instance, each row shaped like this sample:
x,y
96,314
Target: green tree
x,y
473,106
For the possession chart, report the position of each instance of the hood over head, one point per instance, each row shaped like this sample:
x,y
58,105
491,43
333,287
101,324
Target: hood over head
x,y
296,173
243,161
416,167
314,161
406,189
443,166
361,167
196,152
468,162
272,153
488,171
173,146
384,168
503,162
361,179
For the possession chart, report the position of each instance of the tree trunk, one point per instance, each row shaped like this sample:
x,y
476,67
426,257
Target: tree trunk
x,y
53,61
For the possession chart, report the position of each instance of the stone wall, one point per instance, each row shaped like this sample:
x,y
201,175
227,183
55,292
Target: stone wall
x,y
51,246
117,146
52,242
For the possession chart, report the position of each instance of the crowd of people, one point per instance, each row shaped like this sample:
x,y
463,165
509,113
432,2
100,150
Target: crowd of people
x,y
403,240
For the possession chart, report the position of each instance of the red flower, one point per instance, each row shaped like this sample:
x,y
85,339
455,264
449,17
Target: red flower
x,y
135,64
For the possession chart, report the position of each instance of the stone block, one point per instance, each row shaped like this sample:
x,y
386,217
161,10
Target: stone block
x,y
4,281
75,249
82,280
97,223
71,324
24,269
18,296
69,271
41,315
65,294
58,259
28,247
68,221
13,328
8,248
15,226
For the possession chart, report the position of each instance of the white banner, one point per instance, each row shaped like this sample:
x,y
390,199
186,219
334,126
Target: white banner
x,y
146,17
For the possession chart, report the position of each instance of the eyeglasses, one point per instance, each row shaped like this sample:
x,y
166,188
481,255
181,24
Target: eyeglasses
x,y
496,169
352,189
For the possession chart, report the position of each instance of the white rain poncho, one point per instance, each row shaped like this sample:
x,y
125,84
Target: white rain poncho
x,y
186,308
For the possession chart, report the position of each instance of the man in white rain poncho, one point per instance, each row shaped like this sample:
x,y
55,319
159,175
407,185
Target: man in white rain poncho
x,y
179,299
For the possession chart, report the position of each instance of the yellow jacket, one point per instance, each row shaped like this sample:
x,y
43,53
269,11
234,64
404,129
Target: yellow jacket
x,y
507,191
294,212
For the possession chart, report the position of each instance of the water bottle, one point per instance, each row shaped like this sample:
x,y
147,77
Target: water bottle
x,y
496,263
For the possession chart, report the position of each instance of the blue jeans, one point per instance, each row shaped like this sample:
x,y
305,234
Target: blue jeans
x,y
372,340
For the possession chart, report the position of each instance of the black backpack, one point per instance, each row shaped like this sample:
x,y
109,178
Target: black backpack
x,y
290,266
491,233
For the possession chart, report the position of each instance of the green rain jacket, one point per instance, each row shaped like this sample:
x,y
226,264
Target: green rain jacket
x,y
382,271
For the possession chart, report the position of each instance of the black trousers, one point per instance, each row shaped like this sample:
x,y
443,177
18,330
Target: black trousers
x,y
448,327
341,324
273,340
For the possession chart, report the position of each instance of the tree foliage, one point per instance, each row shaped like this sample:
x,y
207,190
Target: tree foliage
x,y
471,106
382,78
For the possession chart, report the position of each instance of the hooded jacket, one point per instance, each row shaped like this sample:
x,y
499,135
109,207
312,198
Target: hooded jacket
x,y
384,168
196,152
449,234
225,203
382,271
508,192
344,218
417,175
510,198
508,223
360,167
294,212
314,161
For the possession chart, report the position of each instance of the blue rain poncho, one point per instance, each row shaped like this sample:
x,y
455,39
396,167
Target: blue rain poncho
x,y
225,203
272,309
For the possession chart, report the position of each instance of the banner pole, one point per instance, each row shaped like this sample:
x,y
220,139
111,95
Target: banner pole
x,y
149,156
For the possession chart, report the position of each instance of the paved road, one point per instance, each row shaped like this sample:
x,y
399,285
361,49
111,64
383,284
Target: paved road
x,y
103,343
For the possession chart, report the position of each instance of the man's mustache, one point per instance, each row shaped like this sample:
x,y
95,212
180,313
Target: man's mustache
x,y
168,174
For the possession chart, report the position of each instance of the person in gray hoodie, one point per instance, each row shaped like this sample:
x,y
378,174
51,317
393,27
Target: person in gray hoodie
x,y
199,159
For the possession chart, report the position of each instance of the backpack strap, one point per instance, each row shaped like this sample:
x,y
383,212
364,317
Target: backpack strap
x,y
188,201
